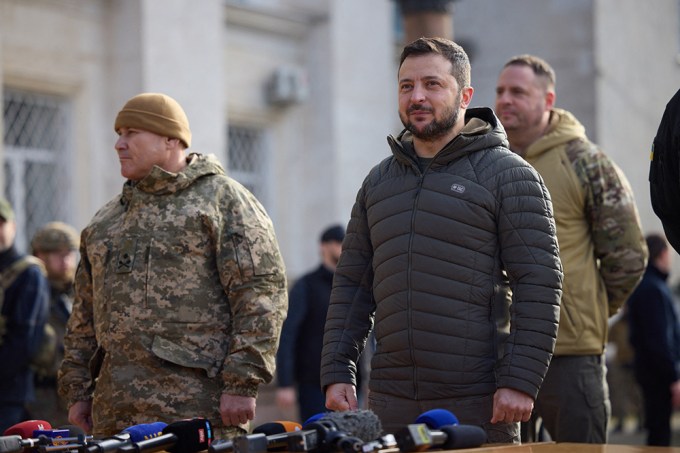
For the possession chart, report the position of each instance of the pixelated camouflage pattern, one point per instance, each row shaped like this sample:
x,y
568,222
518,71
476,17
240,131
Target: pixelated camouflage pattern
x,y
602,245
180,297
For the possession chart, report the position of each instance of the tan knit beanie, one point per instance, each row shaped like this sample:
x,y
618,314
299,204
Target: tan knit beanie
x,y
157,113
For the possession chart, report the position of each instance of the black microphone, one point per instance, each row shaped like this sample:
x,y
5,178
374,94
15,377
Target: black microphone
x,y
418,437
272,436
124,438
339,431
185,436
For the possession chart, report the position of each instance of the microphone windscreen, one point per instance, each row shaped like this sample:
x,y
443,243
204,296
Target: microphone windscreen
x,y
25,429
436,418
314,418
192,435
145,431
74,430
463,436
277,427
361,423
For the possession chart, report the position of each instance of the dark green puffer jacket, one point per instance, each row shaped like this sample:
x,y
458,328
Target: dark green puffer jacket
x,y
425,255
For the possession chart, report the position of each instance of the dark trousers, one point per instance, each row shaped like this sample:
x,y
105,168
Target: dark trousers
x,y
311,400
656,396
574,399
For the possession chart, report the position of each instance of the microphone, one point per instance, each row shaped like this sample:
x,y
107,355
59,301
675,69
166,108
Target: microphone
x,y
277,433
418,437
314,418
270,436
126,437
338,431
185,436
436,418
361,423
277,427
25,429
145,431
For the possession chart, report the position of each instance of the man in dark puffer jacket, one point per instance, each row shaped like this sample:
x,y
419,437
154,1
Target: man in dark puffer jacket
x,y
437,230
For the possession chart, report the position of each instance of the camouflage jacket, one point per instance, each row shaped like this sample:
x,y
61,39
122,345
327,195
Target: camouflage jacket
x,y
602,246
180,297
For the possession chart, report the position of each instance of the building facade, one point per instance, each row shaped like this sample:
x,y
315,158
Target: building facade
x,y
296,96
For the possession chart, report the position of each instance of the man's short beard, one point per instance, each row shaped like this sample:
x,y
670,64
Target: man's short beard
x,y
436,129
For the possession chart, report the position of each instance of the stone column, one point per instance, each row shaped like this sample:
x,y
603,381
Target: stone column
x,y
426,18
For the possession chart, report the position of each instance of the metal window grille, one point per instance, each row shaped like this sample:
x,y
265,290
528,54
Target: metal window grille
x,y
246,158
37,183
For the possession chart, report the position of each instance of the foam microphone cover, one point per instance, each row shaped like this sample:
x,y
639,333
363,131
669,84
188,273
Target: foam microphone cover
x,y
25,429
436,418
361,423
192,435
277,427
145,431
463,436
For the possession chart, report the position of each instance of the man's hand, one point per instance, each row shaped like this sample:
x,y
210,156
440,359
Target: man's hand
x,y
675,394
341,397
236,410
286,398
80,414
511,406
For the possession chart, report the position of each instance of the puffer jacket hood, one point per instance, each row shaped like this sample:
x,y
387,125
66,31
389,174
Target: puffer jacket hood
x,y
482,130
564,127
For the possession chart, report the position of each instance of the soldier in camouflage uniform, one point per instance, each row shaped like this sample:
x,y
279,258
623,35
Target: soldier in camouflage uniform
x,y
602,247
24,305
180,291
56,245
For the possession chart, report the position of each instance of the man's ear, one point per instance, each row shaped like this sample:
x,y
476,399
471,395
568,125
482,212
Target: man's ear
x,y
172,142
549,100
466,97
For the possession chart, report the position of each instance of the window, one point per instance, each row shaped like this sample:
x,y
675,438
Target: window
x,y
37,182
247,161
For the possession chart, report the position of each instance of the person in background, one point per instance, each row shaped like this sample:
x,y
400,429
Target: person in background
x,y
180,290
24,309
655,336
298,359
602,247
451,218
56,245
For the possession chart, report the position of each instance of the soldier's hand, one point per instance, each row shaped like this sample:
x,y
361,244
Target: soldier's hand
x,y
80,414
341,397
236,410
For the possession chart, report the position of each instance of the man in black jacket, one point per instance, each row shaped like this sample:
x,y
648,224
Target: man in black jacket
x,y
438,229
655,337
299,356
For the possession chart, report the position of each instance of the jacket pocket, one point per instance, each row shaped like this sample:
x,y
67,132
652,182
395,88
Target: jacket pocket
x,y
180,355
256,252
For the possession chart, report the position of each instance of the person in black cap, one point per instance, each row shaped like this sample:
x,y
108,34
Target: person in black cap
x,y
24,307
299,356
